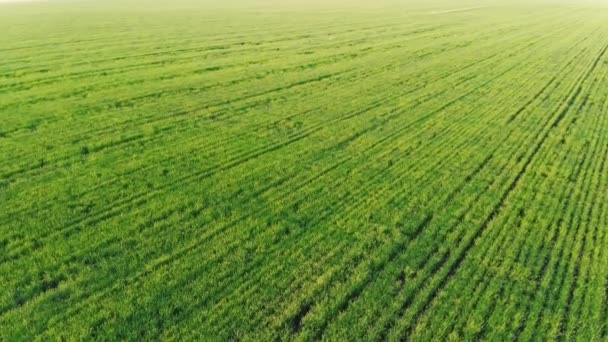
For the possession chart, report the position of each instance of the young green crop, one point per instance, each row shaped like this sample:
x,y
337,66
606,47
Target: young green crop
x,y
303,171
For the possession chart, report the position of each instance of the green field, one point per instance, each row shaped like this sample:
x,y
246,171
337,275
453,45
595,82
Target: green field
x,y
297,170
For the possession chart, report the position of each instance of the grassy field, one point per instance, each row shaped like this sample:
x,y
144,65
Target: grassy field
x,y
366,170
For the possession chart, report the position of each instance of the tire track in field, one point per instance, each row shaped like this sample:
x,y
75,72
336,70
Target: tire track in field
x,y
381,338
519,255
581,227
490,308
561,264
481,285
602,332
486,160
353,297
455,265
309,305
515,115
448,198
543,266
463,217
559,258
574,281
393,253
